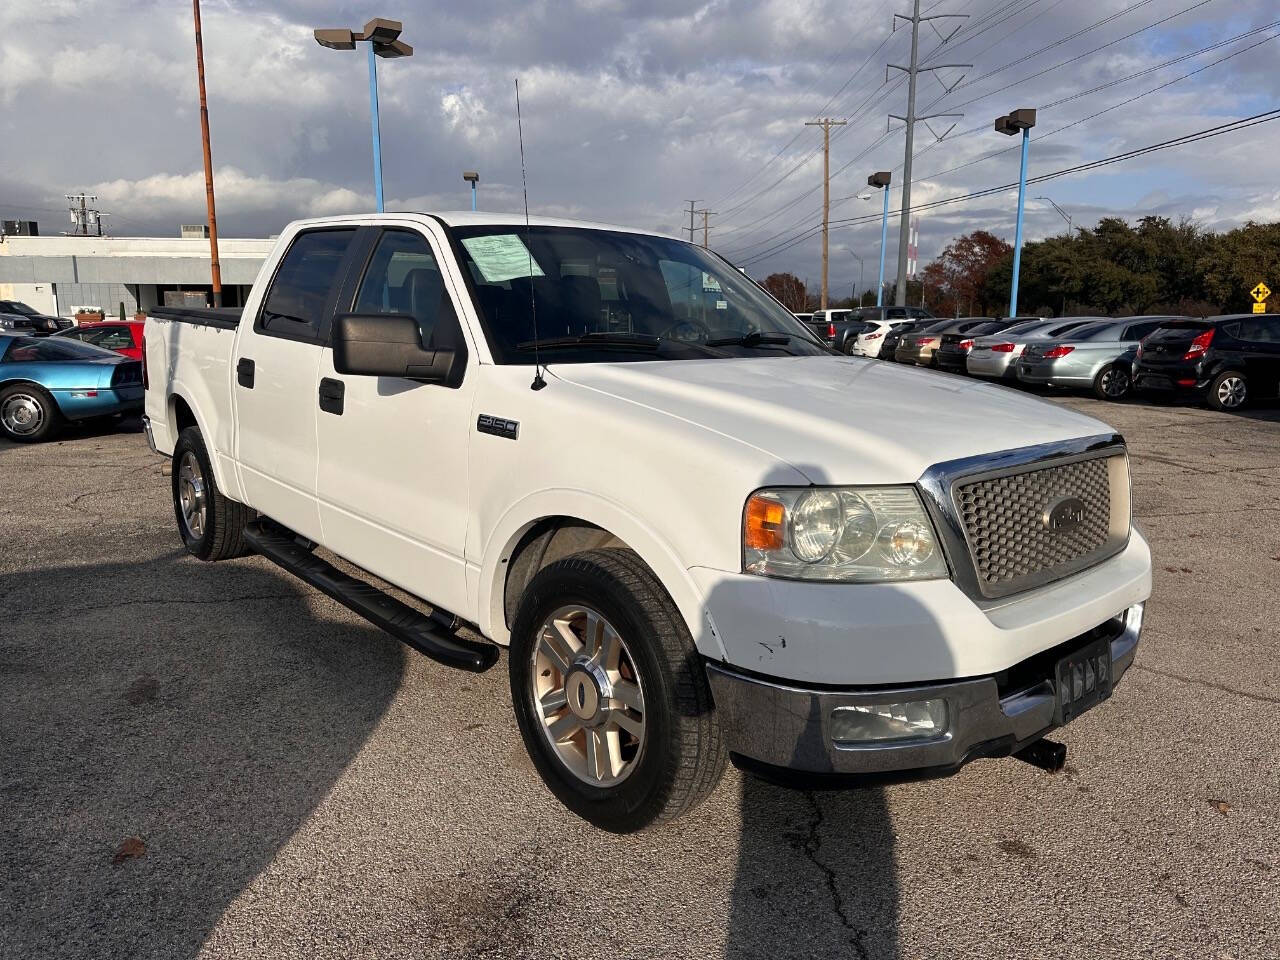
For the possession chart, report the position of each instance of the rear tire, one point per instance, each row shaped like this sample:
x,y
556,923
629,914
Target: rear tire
x,y
1112,383
617,767
28,413
1229,391
211,525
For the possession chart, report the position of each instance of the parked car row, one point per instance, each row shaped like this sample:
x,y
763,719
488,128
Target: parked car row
x,y
18,318
1226,361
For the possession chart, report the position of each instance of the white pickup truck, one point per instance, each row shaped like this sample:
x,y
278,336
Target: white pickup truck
x,y
699,533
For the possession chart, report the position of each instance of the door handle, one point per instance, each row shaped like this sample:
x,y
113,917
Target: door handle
x,y
244,373
332,393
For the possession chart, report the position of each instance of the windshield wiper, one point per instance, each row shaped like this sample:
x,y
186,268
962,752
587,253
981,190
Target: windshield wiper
x,y
634,341
753,339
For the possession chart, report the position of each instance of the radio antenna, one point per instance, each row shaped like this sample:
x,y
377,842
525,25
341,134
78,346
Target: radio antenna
x,y
538,381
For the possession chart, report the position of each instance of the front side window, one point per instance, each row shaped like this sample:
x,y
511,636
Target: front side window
x,y
403,277
17,306
650,297
295,303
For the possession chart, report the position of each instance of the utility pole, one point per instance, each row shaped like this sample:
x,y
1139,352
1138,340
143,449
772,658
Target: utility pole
x,y
706,230
913,71
826,123
88,220
215,268
692,204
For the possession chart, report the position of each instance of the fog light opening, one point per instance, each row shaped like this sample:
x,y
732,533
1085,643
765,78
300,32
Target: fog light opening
x,y
874,724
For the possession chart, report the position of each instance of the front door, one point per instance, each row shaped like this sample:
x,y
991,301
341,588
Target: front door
x,y
392,473
275,380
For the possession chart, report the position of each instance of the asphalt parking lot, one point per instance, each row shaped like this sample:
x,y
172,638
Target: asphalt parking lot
x,y
215,760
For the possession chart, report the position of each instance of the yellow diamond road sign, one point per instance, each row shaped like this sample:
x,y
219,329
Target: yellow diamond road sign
x,y
1260,293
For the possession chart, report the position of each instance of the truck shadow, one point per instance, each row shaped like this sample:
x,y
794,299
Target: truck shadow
x,y
167,729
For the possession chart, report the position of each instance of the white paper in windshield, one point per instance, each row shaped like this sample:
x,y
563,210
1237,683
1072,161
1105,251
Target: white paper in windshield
x,y
502,257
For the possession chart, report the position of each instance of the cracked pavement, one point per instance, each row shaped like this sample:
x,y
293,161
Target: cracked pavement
x,y
216,761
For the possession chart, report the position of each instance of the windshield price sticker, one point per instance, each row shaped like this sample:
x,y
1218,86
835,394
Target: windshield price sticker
x,y
710,283
502,257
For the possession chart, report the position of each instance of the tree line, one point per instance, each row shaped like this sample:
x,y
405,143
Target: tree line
x,y
1114,268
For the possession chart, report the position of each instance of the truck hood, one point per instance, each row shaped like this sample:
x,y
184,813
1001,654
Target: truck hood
x,y
837,420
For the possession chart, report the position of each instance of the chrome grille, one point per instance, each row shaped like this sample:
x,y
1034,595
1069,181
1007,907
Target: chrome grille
x,y
1007,528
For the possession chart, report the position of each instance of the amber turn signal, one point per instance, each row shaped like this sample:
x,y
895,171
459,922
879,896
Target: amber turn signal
x,y
762,523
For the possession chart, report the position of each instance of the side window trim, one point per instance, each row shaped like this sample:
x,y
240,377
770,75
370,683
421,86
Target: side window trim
x,y
312,333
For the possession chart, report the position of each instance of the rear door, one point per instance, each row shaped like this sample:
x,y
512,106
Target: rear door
x,y
1259,349
275,378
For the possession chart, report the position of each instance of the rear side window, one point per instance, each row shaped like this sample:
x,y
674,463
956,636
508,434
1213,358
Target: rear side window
x,y
1136,331
111,338
404,277
1256,330
29,350
294,306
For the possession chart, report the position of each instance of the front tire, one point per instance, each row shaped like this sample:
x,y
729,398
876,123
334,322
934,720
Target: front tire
x,y
1229,391
610,694
1112,383
211,525
28,414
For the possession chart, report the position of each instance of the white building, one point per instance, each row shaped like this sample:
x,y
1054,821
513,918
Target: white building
x,y
55,275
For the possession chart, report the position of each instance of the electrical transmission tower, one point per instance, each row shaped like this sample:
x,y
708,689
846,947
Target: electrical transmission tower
x,y
88,219
913,71
692,204
826,123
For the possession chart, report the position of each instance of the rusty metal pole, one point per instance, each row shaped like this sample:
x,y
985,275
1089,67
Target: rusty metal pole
x,y
215,268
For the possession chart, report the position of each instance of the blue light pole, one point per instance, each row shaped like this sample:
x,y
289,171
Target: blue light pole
x,y
881,181
383,37
472,178
1019,120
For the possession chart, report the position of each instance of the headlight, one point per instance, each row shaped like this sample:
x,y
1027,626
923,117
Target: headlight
x,y
860,534
6,323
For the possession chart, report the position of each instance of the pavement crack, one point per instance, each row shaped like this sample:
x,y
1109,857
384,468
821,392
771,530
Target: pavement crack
x,y
1258,697
812,844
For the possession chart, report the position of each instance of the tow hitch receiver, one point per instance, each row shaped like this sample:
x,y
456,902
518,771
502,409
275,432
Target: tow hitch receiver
x,y
1045,754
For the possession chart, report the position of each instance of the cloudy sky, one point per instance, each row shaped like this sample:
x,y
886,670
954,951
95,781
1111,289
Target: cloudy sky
x,y
633,108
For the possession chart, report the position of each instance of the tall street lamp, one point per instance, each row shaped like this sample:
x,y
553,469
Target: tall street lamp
x,y
881,181
1019,120
472,178
1062,213
383,37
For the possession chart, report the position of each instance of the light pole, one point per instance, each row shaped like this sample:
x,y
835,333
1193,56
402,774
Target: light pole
x,y
472,178
881,181
383,37
1009,125
1062,213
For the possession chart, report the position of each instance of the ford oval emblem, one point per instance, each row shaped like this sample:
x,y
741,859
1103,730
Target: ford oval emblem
x,y
1063,515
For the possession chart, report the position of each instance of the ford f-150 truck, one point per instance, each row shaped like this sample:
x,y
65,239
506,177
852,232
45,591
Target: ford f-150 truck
x,y
699,533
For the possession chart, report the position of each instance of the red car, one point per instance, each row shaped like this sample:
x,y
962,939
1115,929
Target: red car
x,y
124,338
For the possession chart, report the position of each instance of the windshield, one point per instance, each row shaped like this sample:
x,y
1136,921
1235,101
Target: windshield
x,y
604,287
17,306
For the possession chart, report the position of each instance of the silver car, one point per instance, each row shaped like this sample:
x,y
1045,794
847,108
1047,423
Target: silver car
x,y
1097,356
995,355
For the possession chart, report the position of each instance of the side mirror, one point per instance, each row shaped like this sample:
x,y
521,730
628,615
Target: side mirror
x,y
389,345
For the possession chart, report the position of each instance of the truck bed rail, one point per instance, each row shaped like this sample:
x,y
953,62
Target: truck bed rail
x,y
227,318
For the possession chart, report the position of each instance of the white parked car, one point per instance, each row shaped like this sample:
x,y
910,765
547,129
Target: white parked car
x,y
696,531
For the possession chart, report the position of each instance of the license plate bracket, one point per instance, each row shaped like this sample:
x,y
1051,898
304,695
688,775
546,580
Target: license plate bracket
x,y
1082,680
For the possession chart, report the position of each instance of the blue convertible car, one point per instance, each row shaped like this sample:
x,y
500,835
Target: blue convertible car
x,y
46,381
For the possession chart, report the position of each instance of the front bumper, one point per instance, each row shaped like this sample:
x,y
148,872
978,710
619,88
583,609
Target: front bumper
x,y
785,727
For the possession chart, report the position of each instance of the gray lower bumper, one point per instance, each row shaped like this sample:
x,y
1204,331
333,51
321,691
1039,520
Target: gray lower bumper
x,y
789,727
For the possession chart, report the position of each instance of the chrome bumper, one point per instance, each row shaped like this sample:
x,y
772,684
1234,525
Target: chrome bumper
x,y
151,440
789,728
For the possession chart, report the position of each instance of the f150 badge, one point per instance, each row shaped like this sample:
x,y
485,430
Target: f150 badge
x,y
498,426
1063,515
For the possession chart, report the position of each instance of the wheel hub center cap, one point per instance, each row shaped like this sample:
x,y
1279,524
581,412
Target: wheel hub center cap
x,y
586,688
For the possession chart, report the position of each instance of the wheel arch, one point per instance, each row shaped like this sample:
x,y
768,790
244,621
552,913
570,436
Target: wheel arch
x,y
181,411
545,527
28,382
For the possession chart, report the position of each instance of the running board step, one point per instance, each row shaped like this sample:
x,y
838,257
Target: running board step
x,y
406,624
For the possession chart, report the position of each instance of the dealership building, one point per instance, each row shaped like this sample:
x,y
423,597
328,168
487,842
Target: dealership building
x,y
57,275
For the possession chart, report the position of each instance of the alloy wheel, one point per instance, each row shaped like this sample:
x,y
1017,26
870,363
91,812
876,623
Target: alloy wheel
x,y
1232,392
587,695
1115,383
23,414
192,495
